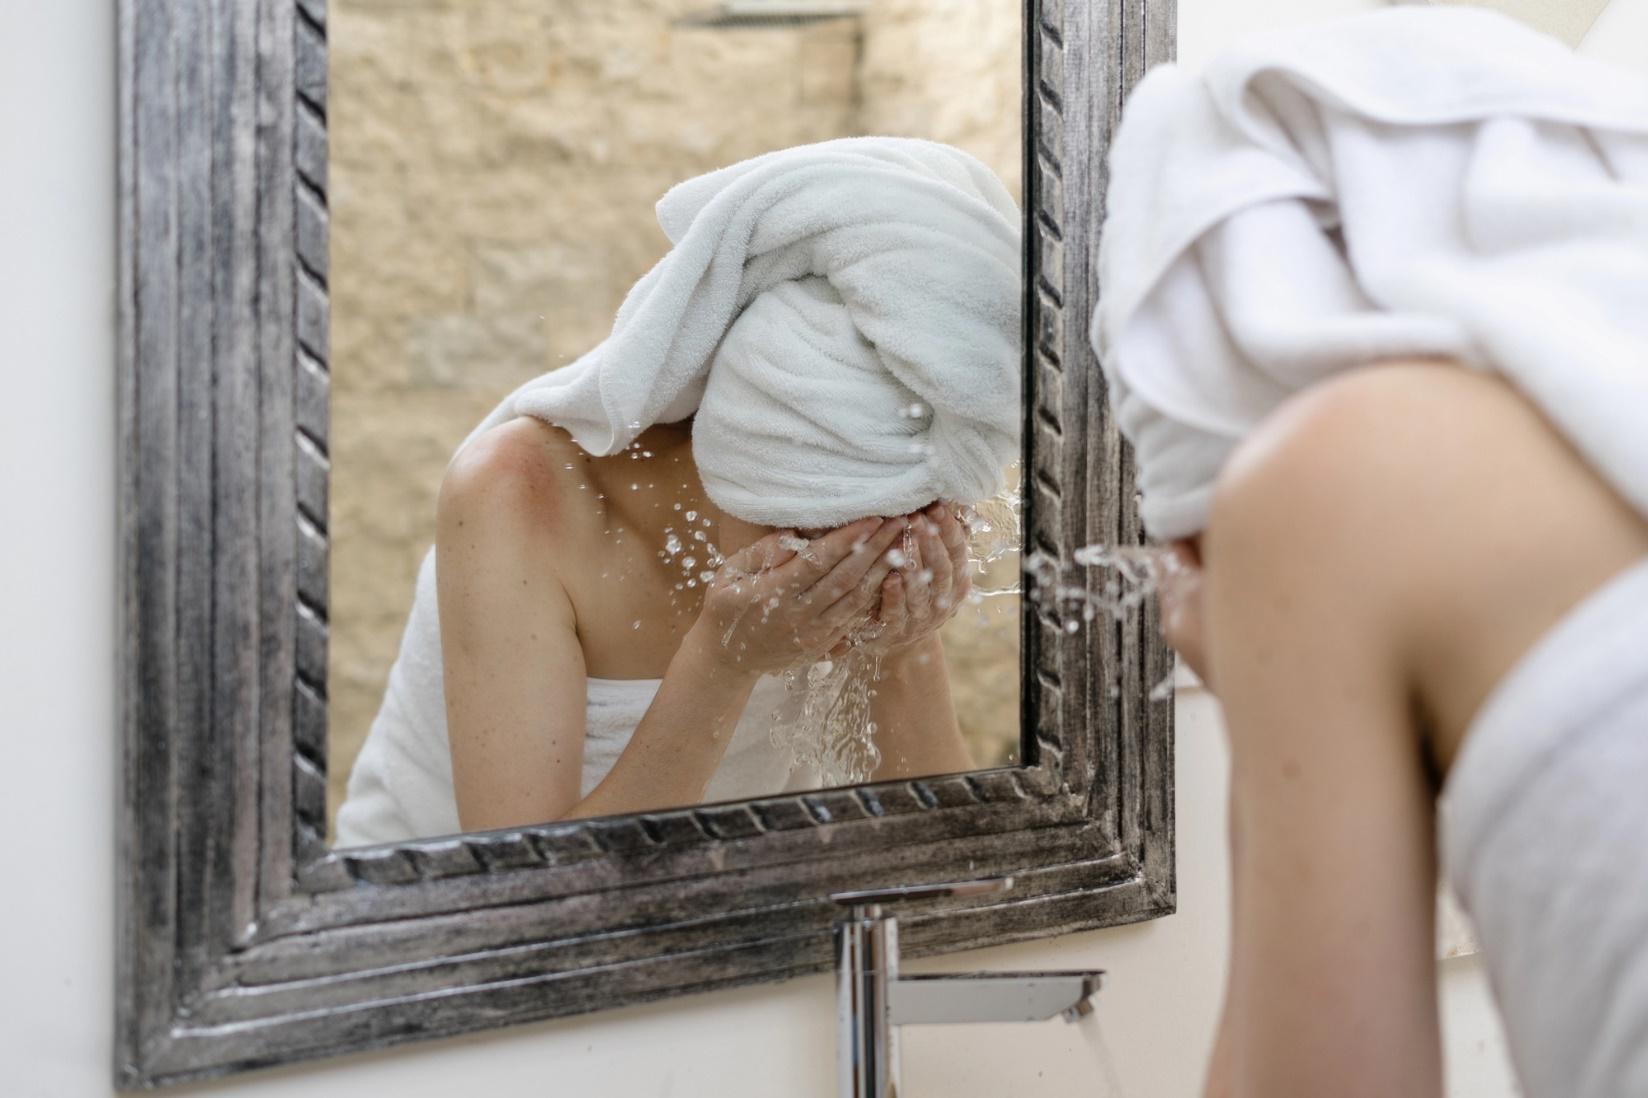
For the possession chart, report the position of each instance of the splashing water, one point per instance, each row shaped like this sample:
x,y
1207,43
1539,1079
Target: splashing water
x,y
1131,574
800,546
1163,690
995,528
824,720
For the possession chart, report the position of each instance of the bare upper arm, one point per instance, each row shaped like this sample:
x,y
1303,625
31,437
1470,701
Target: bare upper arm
x,y
1473,522
512,666
1332,980
1387,544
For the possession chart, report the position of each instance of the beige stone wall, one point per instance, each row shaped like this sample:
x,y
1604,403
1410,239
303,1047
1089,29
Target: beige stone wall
x,y
494,165
948,70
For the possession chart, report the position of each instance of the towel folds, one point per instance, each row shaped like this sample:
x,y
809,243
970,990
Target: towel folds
x,y
842,319
1409,182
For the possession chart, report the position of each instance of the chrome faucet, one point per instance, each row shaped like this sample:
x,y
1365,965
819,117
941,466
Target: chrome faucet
x,y
872,999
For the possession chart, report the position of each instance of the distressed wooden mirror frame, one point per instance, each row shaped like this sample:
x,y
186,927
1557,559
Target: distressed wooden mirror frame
x,y
243,940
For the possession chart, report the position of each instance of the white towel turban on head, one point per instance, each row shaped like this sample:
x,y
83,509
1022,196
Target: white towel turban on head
x,y
1403,183
843,321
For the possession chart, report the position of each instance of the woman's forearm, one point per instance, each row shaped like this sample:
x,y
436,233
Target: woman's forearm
x,y
916,727
681,739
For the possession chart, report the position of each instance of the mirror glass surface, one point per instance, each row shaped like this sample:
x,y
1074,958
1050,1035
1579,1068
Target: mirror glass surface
x,y
494,171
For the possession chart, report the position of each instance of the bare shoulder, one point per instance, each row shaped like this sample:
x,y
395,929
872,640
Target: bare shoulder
x,y
1439,503
1430,445
1387,418
519,475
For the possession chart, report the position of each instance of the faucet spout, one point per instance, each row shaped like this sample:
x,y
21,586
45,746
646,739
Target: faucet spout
x,y
992,997
873,999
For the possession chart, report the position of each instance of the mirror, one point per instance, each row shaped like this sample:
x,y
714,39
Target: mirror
x,y
496,170
470,261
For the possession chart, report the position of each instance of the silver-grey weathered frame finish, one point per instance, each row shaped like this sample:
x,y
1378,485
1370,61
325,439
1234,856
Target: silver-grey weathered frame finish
x,y
243,940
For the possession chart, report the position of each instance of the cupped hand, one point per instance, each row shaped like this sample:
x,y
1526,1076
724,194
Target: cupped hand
x,y
774,604
929,584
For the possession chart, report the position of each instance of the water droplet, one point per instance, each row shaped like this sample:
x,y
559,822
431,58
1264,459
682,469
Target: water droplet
x,y
691,515
636,624
896,558
1162,690
705,577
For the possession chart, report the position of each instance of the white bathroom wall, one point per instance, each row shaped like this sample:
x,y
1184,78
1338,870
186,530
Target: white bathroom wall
x,y
57,689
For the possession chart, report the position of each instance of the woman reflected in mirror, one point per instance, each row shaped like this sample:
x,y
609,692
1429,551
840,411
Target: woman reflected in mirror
x,y
710,559
556,572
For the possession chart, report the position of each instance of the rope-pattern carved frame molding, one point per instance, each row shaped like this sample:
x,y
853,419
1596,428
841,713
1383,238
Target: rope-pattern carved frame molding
x,y
243,940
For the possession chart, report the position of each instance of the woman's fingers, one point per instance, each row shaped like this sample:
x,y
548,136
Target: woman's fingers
x,y
819,556
943,571
762,554
858,598
918,572
845,575
895,609
952,533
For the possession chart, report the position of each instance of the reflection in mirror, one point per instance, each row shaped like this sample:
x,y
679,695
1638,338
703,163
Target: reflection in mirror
x,y
706,400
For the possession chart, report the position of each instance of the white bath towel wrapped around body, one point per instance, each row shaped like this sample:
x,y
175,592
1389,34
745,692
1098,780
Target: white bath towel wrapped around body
x,y
401,784
1409,182
1428,182
1544,833
841,321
